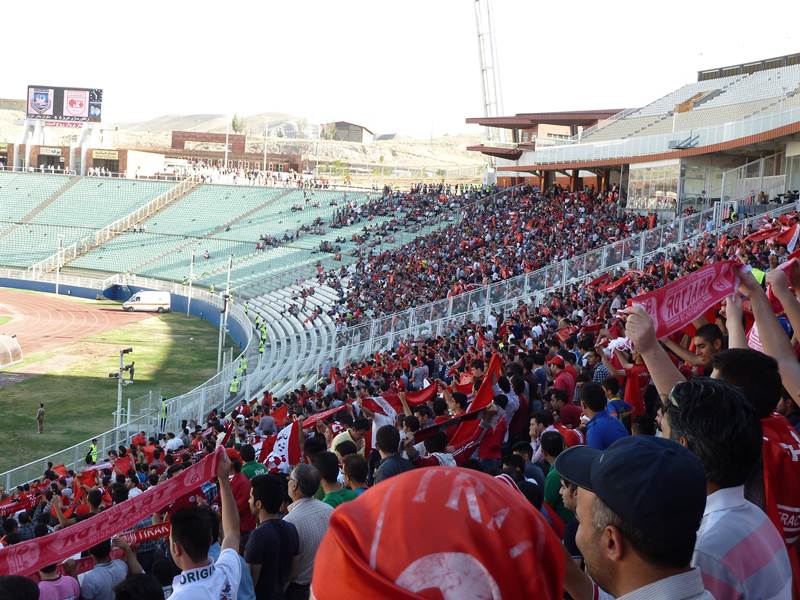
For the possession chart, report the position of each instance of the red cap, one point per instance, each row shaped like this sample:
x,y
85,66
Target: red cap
x,y
556,360
439,532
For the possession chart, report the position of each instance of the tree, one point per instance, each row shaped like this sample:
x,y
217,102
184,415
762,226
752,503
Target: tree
x,y
237,123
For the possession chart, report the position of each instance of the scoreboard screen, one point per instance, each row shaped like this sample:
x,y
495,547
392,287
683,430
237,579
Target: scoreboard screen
x,y
64,104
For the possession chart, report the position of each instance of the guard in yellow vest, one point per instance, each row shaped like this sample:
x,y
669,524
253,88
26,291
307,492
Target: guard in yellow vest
x,y
261,347
234,388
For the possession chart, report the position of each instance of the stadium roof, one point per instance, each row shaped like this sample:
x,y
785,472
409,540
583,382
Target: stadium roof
x,y
573,118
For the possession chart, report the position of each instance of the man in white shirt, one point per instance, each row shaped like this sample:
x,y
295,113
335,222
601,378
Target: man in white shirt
x,y
190,539
99,583
173,443
310,517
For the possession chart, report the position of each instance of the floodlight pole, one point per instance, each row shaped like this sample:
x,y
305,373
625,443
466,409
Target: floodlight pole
x,y
227,132
58,262
191,280
266,130
223,317
118,420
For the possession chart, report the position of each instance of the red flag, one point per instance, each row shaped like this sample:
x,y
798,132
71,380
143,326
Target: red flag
x,y
484,397
228,432
281,415
422,396
682,301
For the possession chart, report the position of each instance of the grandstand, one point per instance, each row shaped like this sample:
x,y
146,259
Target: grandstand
x,y
680,146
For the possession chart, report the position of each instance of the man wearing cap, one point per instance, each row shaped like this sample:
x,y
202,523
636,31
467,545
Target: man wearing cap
x,y
637,546
562,380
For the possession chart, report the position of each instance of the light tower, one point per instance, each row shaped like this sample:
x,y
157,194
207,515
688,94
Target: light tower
x,y
490,77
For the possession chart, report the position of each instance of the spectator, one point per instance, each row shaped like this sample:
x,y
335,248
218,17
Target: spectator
x,y
189,542
310,517
387,440
433,540
14,587
272,550
640,542
99,583
251,468
335,493
617,407
552,446
602,429
53,586
139,587
356,470
532,471
713,419
562,379
354,434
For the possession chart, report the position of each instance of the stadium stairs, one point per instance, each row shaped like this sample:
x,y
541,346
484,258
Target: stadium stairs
x,y
31,214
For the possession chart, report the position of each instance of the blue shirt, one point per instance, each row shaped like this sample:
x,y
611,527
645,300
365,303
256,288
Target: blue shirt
x,y
618,407
247,590
603,430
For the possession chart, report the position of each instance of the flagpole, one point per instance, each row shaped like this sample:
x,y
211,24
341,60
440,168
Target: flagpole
x,y
191,280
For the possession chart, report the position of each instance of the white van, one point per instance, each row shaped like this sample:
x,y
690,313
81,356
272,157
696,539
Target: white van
x,y
148,301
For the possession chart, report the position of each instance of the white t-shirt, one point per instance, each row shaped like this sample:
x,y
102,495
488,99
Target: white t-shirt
x,y
217,581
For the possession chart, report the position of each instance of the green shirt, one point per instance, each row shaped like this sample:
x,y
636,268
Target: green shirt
x,y
253,468
552,494
339,496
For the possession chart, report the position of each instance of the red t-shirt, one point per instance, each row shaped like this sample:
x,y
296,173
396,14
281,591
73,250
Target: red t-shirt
x,y
570,415
492,441
240,486
636,380
565,381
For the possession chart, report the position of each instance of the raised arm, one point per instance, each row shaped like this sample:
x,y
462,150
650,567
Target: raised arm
x,y
612,370
773,337
681,352
639,328
733,322
230,514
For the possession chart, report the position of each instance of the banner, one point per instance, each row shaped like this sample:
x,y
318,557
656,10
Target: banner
x,y
28,557
685,299
286,452
313,419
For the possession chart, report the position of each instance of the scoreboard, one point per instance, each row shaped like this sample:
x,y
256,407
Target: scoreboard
x,y
64,104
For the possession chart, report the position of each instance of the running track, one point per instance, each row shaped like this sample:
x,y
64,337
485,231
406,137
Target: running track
x,y
41,321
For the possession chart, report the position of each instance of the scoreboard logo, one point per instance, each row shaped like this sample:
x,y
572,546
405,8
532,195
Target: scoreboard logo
x,y
41,101
76,103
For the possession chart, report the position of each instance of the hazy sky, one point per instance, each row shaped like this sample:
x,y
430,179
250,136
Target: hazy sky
x,y
407,66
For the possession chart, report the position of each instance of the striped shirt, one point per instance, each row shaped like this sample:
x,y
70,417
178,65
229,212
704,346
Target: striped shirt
x,y
739,551
310,517
683,586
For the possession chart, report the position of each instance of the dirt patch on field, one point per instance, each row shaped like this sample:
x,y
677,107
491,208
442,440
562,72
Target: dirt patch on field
x,y
12,378
43,321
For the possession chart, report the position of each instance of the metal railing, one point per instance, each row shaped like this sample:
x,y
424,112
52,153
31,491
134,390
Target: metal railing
x,y
507,295
658,143
99,236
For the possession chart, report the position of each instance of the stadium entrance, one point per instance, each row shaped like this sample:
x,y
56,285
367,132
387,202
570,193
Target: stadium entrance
x,y
3,154
107,160
50,158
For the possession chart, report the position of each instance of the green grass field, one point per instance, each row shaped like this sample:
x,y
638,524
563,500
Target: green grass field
x,y
173,353
4,320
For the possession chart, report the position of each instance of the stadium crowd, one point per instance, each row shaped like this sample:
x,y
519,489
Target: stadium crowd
x,y
558,448
497,236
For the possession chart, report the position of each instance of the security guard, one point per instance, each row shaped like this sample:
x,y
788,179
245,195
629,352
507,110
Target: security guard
x,y
261,347
163,412
239,370
243,363
93,450
234,388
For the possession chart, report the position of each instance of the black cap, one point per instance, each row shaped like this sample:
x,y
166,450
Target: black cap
x,y
652,484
